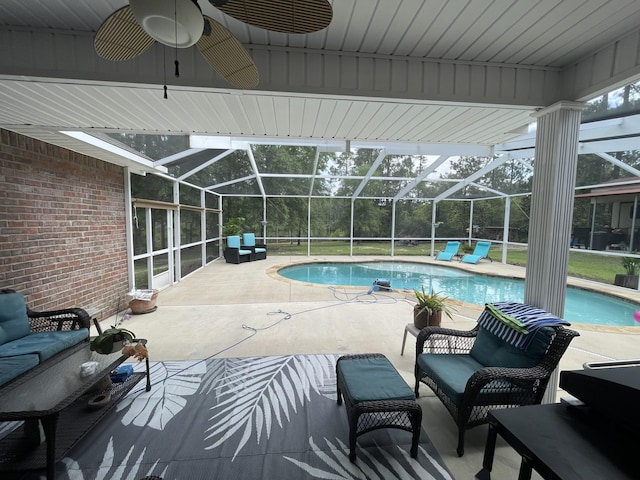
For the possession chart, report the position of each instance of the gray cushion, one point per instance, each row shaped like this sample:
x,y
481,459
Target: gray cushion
x,y
43,344
14,322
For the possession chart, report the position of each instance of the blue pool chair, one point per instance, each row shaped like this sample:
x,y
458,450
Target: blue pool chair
x,y
234,253
450,251
258,250
481,251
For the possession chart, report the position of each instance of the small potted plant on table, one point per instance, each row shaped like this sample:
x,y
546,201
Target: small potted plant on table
x,y
429,308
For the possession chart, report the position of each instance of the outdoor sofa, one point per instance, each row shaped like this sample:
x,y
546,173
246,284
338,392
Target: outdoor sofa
x,y
31,339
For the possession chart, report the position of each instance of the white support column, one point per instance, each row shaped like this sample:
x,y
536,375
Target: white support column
x,y
393,226
129,229
470,222
552,198
505,229
351,228
309,227
433,228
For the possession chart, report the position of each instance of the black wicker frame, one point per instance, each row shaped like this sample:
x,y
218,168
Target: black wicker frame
x,y
232,255
364,417
49,321
256,255
491,387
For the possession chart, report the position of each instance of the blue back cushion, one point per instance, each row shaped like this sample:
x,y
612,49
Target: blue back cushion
x,y
233,241
249,239
14,322
491,351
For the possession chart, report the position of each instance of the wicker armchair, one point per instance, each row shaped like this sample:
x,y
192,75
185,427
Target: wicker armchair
x,y
469,389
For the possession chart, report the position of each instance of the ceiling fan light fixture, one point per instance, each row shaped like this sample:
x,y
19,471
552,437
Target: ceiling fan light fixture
x,y
175,23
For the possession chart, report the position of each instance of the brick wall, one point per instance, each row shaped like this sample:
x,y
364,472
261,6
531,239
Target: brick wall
x,y
62,226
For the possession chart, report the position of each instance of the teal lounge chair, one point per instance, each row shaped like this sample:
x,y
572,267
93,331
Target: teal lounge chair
x,y
450,251
234,253
258,250
481,251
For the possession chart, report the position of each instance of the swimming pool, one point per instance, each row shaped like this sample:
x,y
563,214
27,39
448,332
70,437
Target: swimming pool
x,y
581,306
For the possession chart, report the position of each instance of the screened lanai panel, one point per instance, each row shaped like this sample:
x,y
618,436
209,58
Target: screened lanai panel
x,y
192,162
223,172
286,185
286,159
383,188
330,217
155,147
413,219
244,187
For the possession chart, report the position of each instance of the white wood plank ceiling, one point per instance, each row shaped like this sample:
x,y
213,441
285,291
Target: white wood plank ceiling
x,y
409,71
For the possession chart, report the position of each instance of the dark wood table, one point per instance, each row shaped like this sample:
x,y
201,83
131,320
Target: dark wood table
x,y
57,398
563,442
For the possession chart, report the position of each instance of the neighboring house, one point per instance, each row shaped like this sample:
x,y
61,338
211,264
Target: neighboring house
x,y
622,232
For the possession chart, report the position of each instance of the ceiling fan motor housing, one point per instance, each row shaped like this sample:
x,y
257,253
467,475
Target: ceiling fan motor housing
x,y
175,23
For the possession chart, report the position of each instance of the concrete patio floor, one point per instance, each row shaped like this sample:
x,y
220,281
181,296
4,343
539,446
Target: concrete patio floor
x,y
229,310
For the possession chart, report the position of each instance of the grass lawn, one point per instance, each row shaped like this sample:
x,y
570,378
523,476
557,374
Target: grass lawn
x,y
581,264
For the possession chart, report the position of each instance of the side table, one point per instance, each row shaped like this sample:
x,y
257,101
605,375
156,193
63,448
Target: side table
x,y
562,442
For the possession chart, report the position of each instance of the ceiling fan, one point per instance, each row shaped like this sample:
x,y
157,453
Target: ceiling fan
x,y
129,31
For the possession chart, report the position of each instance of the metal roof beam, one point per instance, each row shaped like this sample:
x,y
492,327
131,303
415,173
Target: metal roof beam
x,y
177,156
489,189
204,165
315,171
619,163
425,173
254,166
472,178
230,182
369,174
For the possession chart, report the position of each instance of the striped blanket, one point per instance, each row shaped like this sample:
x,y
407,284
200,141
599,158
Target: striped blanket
x,y
516,323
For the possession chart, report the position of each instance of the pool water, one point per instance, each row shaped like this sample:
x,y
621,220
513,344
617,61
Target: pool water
x,y
581,306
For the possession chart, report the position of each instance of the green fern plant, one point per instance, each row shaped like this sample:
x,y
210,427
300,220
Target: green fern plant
x,y
235,226
631,265
433,302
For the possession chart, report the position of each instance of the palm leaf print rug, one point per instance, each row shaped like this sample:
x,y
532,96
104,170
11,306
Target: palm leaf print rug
x,y
241,418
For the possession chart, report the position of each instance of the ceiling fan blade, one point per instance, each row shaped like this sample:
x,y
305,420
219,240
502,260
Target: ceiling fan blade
x,y
227,56
286,16
120,37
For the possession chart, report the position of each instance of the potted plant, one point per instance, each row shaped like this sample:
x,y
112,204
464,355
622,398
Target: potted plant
x,y
233,227
112,340
466,248
630,279
429,308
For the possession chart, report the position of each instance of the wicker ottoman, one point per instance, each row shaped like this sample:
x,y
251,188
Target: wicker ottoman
x,y
376,396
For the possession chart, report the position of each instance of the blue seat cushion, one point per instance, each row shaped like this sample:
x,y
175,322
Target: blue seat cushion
x,y
261,250
43,344
14,322
244,252
367,379
11,367
491,351
449,371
